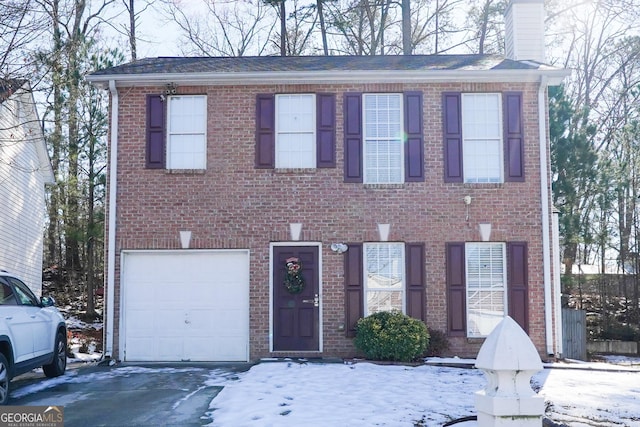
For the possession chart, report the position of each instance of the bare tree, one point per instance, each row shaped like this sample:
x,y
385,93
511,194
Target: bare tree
x,y
486,21
229,28
20,27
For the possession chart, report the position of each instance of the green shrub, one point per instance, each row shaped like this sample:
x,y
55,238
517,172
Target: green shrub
x,y
391,336
438,343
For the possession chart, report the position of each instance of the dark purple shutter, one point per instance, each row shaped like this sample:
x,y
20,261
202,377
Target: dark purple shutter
x,y
513,136
517,283
415,260
452,133
352,111
456,289
326,130
353,287
155,132
414,148
265,131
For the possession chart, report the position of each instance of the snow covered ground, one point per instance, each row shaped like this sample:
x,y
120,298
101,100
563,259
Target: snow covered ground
x,y
296,393
366,394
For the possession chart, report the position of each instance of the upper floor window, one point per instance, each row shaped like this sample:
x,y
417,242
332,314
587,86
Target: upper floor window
x,y
295,131
482,137
384,272
383,138
187,132
383,130
486,279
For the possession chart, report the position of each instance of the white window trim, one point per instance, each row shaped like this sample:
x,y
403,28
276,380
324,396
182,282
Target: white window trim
x,y
170,133
402,290
278,161
504,284
364,138
501,137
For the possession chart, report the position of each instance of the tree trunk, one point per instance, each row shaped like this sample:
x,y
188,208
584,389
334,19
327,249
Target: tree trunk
x,y
406,27
323,30
132,30
283,29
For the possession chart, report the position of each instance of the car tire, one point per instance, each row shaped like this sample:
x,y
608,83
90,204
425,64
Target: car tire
x,y
59,363
4,380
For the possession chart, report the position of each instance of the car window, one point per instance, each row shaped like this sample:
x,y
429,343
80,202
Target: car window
x,y
23,293
6,295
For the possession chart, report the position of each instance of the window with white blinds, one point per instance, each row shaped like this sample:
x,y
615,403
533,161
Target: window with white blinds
x,y
384,277
187,130
486,287
482,137
296,131
383,130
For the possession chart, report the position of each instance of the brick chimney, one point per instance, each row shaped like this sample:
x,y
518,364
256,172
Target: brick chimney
x,y
524,30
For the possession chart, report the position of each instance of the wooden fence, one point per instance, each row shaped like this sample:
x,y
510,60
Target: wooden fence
x,y
574,334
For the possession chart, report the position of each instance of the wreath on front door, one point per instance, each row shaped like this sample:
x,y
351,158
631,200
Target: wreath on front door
x,y
293,280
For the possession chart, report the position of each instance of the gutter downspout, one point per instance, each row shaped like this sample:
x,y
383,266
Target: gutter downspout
x,y
546,228
557,284
111,242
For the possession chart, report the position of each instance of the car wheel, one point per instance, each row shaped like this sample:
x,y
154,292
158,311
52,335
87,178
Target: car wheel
x,y
4,380
59,363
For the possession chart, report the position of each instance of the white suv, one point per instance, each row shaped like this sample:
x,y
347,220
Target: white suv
x,y
33,333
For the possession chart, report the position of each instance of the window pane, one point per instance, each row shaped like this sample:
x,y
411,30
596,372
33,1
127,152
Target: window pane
x,y
486,273
295,131
187,114
187,152
383,148
384,270
296,113
482,137
383,301
296,151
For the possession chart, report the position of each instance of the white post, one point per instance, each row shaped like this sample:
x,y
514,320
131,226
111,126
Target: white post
x,y
508,359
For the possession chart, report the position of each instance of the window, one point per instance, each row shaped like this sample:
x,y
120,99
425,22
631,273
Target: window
x,y
384,277
295,131
187,130
24,294
382,134
6,295
486,287
482,137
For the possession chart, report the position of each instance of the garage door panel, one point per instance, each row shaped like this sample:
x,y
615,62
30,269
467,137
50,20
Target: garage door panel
x,y
186,305
170,348
143,348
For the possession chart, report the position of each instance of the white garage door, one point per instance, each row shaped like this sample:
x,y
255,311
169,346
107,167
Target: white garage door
x,y
185,306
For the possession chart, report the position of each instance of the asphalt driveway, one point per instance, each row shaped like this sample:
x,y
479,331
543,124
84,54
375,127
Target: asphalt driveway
x,y
128,395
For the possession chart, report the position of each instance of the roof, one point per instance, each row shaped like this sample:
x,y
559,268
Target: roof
x,y
304,69
9,86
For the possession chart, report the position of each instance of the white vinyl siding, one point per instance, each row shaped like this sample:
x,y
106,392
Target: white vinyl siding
x,y
383,130
384,277
482,137
23,174
296,131
486,287
187,130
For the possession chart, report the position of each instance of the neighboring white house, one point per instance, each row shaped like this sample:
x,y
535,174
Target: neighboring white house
x,y
25,168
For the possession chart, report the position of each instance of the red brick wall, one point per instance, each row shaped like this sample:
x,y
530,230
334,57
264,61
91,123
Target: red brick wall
x,y
233,205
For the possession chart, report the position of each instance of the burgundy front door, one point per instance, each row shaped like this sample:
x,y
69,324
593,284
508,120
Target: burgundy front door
x,y
296,316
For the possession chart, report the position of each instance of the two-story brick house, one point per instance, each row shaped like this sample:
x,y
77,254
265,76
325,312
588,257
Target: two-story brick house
x,y
417,183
